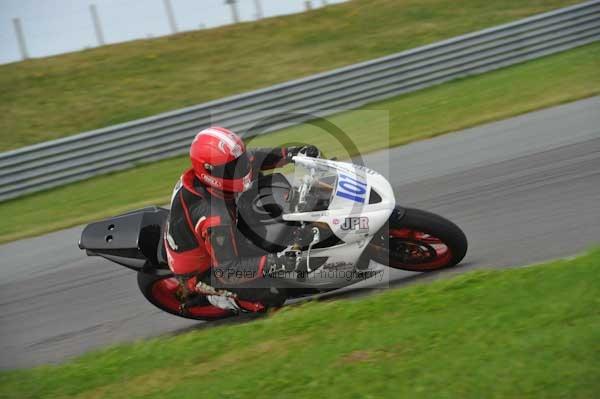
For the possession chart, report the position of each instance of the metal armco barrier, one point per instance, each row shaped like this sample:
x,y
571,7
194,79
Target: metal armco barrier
x,y
78,157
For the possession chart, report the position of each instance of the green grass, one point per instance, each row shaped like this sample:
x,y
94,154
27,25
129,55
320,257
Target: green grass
x,y
548,81
519,333
48,98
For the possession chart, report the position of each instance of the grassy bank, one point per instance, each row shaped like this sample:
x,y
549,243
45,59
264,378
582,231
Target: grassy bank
x,y
527,333
552,80
49,98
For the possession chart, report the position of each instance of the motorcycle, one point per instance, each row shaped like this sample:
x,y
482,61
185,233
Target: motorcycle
x,y
336,222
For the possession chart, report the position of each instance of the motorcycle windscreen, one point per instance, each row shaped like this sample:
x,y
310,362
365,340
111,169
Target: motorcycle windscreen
x,y
334,188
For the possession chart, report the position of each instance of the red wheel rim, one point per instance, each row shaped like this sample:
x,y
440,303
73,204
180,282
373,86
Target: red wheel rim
x,y
418,247
165,291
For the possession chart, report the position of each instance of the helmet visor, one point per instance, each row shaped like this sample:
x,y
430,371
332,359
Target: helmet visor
x,y
235,169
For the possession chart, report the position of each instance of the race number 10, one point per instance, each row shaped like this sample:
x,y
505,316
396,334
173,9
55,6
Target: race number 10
x,y
352,189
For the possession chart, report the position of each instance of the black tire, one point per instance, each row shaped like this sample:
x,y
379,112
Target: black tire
x,y
447,233
147,281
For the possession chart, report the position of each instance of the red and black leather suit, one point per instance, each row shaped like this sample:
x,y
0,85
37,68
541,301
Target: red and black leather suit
x,y
202,233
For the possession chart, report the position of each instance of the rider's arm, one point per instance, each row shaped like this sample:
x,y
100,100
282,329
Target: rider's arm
x,y
270,158
185,250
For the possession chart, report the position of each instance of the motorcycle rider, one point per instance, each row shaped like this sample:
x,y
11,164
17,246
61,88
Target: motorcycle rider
x,y
201,233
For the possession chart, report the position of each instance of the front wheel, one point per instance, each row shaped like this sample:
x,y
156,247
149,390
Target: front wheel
x,y
418,241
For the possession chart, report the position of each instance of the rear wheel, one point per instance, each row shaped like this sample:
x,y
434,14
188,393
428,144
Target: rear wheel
x,y
164,292
418,241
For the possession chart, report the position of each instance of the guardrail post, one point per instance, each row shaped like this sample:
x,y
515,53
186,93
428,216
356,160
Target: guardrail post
x,y
259,11
97,25
20,38
235,15
170,16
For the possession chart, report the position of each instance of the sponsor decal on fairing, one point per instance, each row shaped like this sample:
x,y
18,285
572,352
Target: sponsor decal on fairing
x,y
358,223
351,188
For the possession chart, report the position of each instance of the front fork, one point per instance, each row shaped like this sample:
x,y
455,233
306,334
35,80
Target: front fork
x,y
394,220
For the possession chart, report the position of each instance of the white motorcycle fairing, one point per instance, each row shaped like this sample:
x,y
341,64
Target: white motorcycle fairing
x,y
361,201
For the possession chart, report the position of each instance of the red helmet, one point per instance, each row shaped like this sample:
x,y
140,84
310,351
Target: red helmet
x,y
219,160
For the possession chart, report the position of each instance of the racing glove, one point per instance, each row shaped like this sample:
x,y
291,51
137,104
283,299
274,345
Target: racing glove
x,y
307,150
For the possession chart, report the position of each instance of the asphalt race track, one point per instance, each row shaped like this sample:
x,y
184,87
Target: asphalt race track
x,y
524,190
